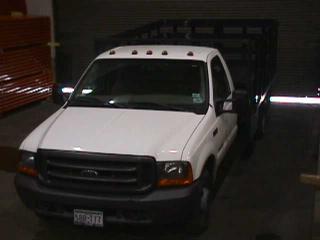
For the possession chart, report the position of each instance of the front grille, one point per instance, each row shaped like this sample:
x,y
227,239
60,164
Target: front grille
x,y
91,172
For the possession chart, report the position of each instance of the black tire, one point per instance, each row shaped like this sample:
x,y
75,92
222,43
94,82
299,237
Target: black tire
x,y
263,118
201,216
261,125
249,149
248,140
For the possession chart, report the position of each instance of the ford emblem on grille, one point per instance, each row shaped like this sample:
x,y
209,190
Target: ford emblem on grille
x,y
89,173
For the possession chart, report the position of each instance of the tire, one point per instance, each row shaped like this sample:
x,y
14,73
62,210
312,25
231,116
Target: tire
x,y
248,140
249,149
261,125
201,215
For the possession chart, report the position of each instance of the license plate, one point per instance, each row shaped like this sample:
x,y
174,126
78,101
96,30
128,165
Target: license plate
x,y
88,218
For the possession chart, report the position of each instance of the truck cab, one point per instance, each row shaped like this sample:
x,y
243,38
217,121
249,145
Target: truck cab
x,y
139,140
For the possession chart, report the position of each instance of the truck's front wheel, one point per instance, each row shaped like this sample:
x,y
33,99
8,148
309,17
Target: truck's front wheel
x,y
201,216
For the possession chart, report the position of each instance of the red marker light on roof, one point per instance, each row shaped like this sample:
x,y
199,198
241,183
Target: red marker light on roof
x,y
134,52
149,52
190,54
164,52
112,52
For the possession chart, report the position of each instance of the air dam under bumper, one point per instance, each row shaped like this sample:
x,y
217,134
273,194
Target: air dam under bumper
x,y
160,206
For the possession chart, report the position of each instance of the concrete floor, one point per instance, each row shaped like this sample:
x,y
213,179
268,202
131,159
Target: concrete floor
x,y
260,195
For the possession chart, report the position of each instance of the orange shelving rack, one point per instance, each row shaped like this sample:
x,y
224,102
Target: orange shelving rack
x,y
25,62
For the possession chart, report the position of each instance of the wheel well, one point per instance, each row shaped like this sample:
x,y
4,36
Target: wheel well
x,y
210,164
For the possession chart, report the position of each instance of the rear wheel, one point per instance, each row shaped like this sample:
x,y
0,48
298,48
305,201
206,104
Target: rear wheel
x,y
247,139
261,123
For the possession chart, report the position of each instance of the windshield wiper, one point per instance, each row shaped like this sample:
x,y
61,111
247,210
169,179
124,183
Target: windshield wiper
x,y
160,106
85,101
115,105
89,101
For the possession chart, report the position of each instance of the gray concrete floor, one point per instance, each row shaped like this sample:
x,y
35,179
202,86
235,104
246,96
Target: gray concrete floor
x,y
259,195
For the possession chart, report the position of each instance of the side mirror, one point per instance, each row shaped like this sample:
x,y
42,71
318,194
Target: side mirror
x,y
219,104
240,104
61,93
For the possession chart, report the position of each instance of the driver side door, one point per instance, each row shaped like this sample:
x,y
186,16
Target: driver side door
x,y
222,89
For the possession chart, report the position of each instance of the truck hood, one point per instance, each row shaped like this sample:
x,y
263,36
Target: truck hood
x,y
162,134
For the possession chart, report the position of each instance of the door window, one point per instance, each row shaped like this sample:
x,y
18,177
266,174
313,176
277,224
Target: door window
x,y
221,88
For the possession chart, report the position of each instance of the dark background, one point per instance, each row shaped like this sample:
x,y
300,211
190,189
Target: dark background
x,y
7,6
79,23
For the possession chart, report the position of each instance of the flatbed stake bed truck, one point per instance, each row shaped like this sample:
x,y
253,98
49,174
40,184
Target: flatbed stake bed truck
x,y
147,126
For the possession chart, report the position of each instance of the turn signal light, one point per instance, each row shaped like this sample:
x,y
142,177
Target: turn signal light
x,y
174,182
28,171
185,179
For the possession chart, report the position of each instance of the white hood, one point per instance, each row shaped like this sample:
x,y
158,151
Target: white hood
x,y
162,134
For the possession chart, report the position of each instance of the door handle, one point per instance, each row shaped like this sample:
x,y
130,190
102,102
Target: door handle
x,y
215,132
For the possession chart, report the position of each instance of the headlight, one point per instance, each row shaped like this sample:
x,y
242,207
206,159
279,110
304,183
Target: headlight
x,y
175,173
27,164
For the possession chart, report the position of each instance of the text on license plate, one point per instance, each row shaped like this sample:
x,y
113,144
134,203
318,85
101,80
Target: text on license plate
x,y
88,218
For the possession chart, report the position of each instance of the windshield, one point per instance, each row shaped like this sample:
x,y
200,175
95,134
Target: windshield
x,y
175,85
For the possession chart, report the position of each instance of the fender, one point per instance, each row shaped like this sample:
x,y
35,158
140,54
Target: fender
x,y
202,145
33,140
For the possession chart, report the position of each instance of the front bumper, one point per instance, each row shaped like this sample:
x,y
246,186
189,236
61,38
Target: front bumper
x,y
160,206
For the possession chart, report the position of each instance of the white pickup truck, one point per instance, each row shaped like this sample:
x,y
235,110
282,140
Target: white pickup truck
x,y
144,120
139,140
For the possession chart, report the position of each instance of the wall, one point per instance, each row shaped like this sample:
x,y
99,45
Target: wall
x,y
8,6
42,8
78,23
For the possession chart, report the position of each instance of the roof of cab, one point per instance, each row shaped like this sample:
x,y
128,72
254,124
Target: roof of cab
x,y
173,52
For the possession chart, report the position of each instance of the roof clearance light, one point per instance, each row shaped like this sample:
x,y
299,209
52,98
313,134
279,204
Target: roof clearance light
x,y
164,52
134,52
149,52
190,54
112,52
